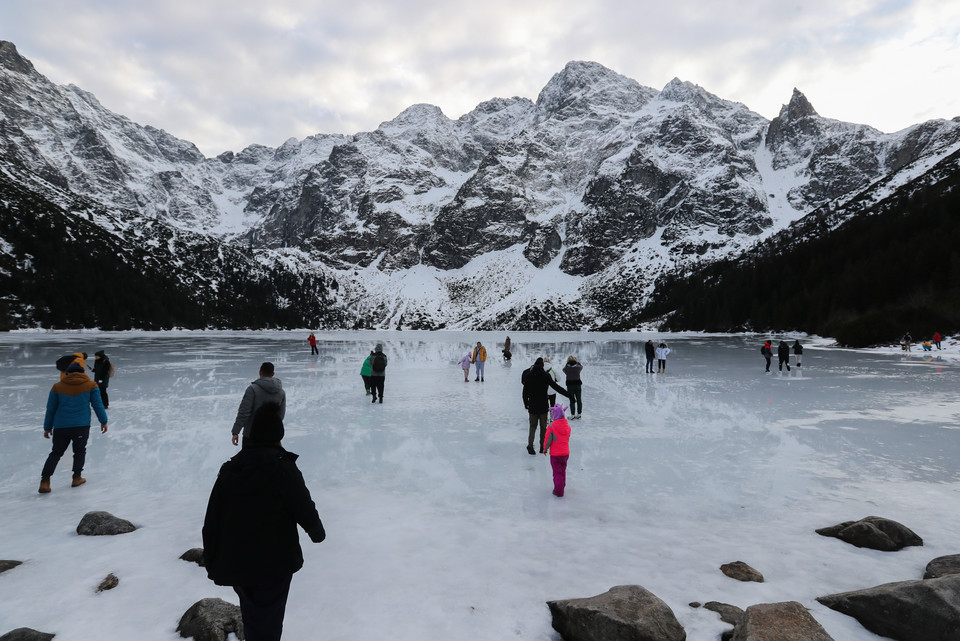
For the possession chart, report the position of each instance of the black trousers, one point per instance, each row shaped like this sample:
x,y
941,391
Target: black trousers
x,y
314,350
262,608
376,385
104,397
62,438
649,365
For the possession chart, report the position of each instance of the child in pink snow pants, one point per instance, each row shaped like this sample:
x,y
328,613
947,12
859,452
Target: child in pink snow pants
x,y
557,444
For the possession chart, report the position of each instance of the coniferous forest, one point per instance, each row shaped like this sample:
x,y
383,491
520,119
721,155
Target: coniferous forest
x,y
893,267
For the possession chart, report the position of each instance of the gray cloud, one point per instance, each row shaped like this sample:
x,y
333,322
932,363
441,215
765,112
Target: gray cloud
x,y
227,74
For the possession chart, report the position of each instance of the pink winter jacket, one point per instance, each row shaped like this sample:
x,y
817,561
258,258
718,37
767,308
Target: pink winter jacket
x,y
556,442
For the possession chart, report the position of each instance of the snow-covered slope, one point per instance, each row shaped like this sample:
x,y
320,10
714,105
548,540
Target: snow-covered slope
x,y
600,186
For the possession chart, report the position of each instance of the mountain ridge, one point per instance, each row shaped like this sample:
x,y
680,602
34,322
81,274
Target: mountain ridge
x,y
601,184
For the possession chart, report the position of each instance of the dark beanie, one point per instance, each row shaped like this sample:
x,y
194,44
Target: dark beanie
x,y
74,367
267,427
101,354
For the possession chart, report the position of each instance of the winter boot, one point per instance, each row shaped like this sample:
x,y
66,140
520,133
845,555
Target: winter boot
x,y
44,486
77,481
529,451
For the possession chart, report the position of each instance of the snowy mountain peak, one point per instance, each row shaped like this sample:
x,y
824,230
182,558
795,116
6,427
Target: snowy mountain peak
x,y
684,91
418,116
11,59
582,84
798,107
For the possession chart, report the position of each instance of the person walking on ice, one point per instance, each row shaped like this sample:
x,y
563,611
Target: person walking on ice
x,y
798,352
650,351
783,355
378,373
312,339
265,389
366,370
557,445
535,383
465,366
574,385
480,358
67,419
662,351
767,351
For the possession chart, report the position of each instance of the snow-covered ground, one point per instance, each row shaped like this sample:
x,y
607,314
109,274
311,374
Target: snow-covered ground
x,y
440,525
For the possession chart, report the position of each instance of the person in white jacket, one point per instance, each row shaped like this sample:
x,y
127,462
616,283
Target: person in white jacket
x,y
662,351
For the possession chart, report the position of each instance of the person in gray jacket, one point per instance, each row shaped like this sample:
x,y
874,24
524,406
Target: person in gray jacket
x,y
265,389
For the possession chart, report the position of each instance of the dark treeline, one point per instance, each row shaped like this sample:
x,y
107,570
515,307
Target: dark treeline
x,y
59,270
891,268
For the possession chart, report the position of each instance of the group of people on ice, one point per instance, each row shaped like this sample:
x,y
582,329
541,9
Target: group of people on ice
x,y
477,357
907,340
783,354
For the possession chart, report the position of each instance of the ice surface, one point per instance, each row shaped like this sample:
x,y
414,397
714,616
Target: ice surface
x,y
440,525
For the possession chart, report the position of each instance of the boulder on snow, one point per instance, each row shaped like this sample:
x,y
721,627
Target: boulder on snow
x,y
728,614
924,610
786,621
211,620
874,532
8,565
741,572
103,524
942,566
194,555
623,613
109,582
26,634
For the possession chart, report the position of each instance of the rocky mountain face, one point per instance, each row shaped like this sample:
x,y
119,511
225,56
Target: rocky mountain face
x,y
554,214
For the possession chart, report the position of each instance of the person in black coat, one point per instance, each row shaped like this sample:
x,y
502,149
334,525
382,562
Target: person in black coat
x,y
535,383
783,355
651,352
101,375
250,538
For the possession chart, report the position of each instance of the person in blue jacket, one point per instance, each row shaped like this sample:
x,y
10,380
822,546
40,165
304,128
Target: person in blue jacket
x,y
68,420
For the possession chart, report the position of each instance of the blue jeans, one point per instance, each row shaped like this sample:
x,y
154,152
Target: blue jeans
x,y
62,438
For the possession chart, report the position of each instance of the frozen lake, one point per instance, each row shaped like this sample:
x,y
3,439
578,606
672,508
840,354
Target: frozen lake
x,y
440,525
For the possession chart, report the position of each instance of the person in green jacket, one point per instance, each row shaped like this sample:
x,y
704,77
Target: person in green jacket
x,y
366,371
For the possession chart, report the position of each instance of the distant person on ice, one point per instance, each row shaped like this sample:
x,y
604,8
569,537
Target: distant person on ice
x,y
798,352
535,383
312,339
102,372
378,372
662,351
906,341
366,371
480,359
68,420
650,351
265,389
936,339
557,445
465,366
767,351
574,385
250,538
507,354
783,355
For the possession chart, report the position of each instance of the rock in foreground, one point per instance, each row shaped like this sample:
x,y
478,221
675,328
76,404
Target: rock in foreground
x,y
874,532
211,620
623,613
940,566
103,524
787,621
26,634
927,610
741,572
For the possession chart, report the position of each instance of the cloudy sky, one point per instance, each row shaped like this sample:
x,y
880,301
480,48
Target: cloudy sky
x,y
227,73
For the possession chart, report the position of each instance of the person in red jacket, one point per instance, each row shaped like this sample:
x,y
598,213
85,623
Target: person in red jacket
x,y
557,444
936,339
312,339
